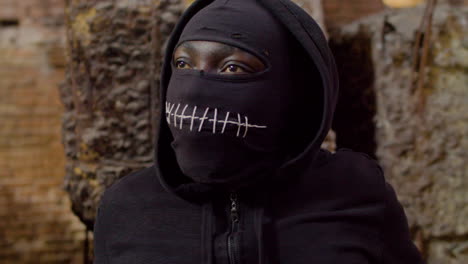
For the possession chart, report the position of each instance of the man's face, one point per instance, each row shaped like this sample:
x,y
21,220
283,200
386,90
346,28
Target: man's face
x,y
215,57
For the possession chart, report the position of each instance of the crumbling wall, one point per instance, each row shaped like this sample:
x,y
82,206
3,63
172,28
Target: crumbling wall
x,y
110,94
338,13
421,136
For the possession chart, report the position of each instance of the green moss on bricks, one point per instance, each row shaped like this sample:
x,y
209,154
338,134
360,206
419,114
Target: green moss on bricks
x,y
81,26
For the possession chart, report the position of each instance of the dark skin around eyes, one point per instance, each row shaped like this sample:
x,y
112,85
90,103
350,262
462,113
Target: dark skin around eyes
x,y
216,57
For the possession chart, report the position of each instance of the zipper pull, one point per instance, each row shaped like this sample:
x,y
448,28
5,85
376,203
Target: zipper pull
x,y
234,208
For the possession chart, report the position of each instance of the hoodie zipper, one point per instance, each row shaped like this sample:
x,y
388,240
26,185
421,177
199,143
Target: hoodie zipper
x,y
233,238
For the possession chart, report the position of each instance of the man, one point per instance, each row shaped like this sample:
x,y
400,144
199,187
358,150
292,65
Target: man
x,y
249,88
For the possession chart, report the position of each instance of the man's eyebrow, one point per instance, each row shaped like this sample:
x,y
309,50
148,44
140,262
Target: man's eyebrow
x,y
226,49
187,45
221,50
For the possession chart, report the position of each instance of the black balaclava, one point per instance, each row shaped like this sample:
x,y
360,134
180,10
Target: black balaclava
x,y
232,129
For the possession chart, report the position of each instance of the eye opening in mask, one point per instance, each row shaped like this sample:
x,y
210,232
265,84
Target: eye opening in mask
x,y
219,59
179,73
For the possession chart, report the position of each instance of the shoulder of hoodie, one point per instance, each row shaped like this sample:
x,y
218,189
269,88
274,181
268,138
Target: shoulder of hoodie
x,y
353,167
347,173
350,163
136,187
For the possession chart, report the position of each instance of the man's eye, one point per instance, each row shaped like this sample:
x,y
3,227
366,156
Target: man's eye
x,y
232,68
182,65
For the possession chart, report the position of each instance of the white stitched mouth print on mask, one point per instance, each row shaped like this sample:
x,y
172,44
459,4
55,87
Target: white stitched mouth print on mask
x,y
226,129
197,118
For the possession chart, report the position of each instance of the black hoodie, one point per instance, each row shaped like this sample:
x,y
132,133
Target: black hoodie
x,y
311,207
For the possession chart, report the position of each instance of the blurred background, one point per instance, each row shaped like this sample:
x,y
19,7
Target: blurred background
x,y
79,89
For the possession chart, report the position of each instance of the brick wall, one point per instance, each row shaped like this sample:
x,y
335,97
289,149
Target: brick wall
x,y
33,12
36,223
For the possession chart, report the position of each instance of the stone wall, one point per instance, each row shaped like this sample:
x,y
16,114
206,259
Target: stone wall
x,y
421,135
342,12
111,93
36,223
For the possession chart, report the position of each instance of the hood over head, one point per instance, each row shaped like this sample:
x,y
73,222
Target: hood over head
x,y
230,132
